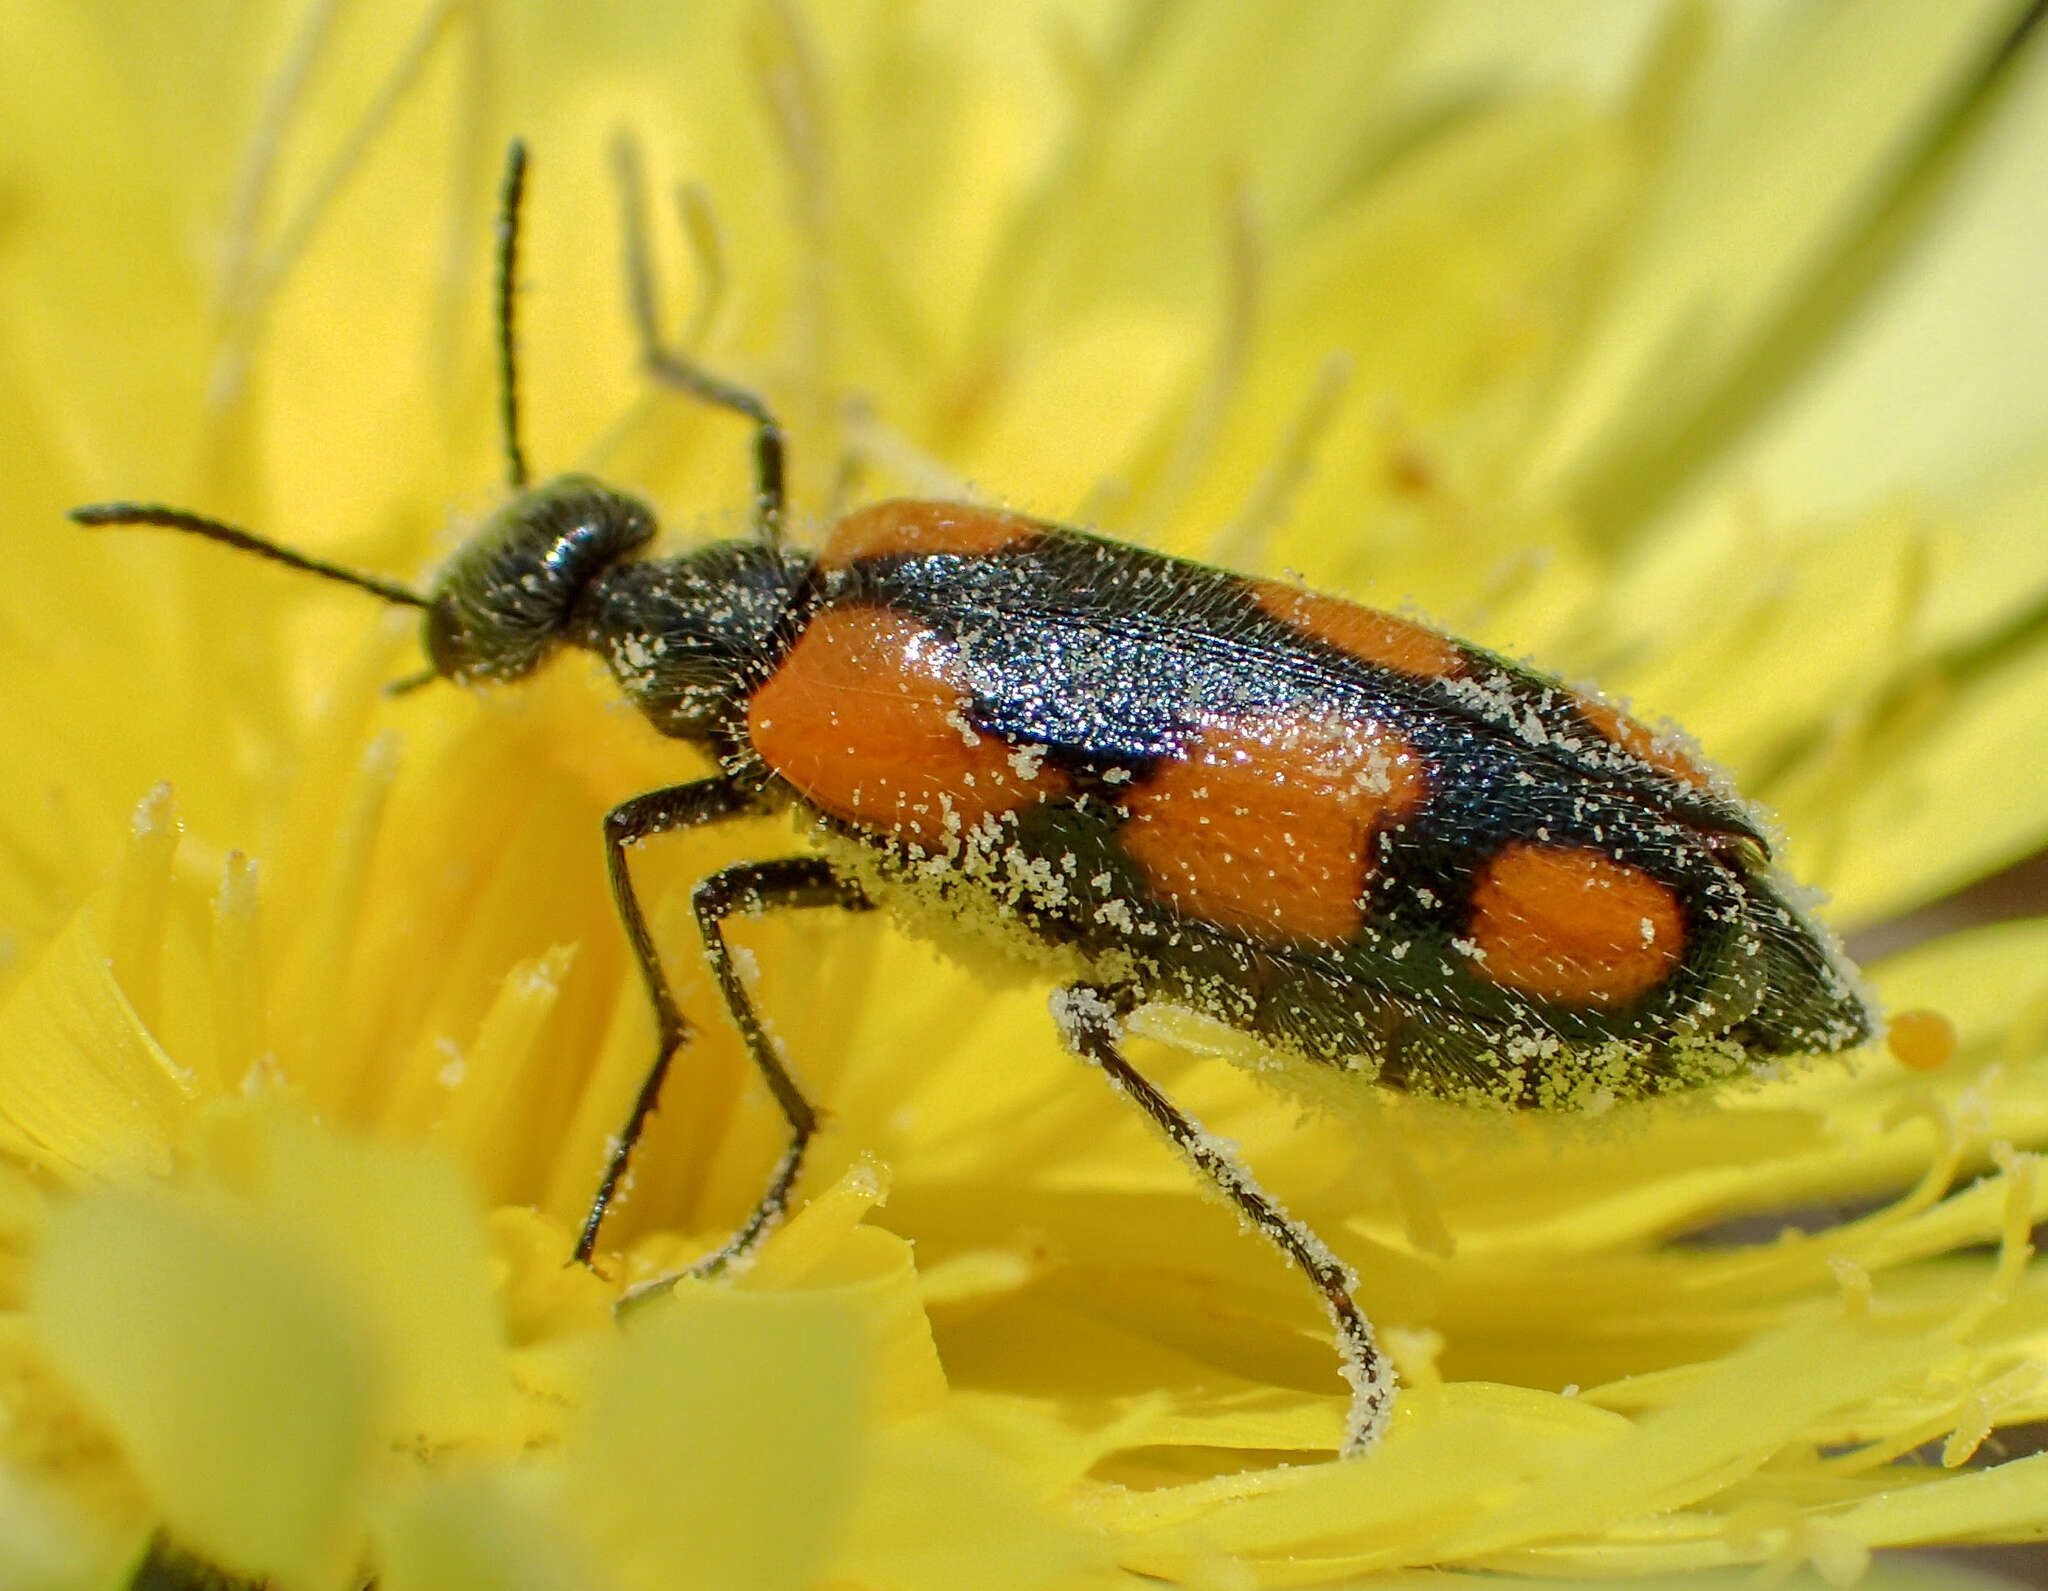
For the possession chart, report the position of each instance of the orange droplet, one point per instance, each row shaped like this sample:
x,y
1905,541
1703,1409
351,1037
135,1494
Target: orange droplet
x,y
1921,1040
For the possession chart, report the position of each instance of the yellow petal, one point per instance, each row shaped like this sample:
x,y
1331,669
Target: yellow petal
x,y
238,1379
84,1086
401,1233
479,1532
721,1444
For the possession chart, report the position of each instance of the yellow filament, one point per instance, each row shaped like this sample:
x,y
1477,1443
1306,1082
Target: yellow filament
x,y
241,1041
142,890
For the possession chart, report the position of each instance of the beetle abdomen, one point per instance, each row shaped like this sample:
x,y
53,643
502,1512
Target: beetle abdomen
x,y
1328,826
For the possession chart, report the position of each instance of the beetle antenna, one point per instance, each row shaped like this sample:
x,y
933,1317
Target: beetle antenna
x,y
510,196
98,514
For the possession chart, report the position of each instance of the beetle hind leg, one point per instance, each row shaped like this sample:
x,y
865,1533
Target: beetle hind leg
x,y
1090,1019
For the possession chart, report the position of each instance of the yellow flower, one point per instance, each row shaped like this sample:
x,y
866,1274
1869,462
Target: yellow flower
x,y
1694,353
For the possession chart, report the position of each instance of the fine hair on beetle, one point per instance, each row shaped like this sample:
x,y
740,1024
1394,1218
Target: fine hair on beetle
x,y
1390,856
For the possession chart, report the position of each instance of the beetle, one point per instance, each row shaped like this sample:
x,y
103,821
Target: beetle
x,y
1393,856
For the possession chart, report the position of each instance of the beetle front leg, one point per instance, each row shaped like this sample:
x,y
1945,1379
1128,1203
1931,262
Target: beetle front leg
x,y
682,806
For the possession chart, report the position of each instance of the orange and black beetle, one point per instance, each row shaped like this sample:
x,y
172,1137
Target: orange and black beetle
x,y
1376,847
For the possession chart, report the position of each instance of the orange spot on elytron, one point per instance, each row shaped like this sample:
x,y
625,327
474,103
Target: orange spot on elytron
x,y
1571,924
867,718
1264,825
1366,633
1921,1040
906,526
1642,742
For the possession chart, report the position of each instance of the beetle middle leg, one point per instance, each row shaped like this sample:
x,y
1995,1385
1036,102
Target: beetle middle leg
x,y
664,811
1090,1020
749,888
789,882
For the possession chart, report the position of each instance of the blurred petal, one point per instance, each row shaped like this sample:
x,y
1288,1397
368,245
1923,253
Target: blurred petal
x,y
241,1382
720,1443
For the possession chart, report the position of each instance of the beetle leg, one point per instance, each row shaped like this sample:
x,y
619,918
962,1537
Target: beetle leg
x,y
750,888
1090,1019
676,369
682,806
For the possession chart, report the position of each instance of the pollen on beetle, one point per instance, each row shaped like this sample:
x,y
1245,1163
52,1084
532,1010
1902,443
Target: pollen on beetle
x,y
1117,914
